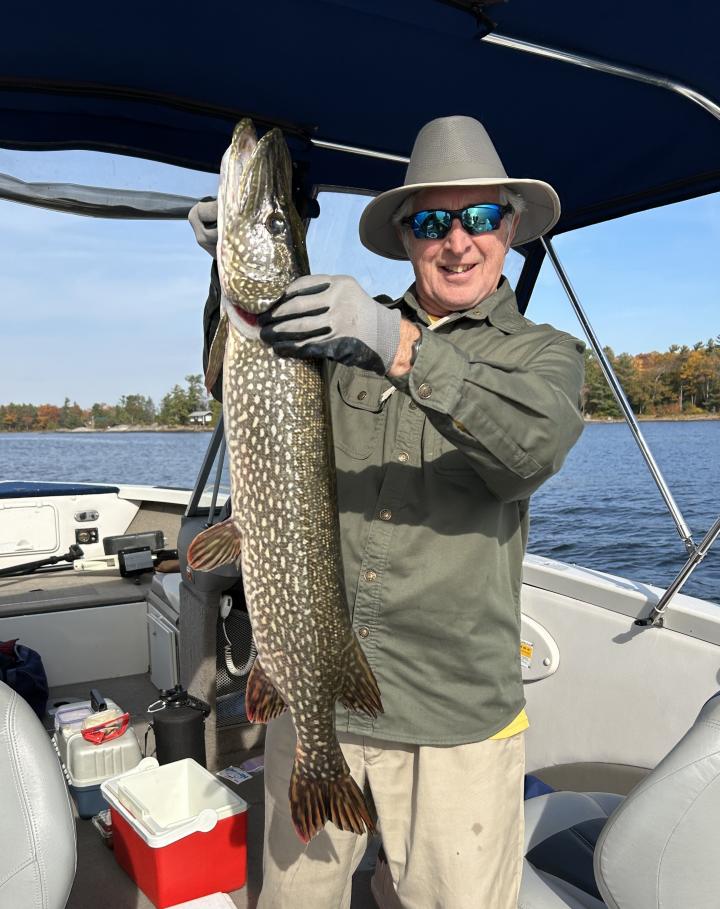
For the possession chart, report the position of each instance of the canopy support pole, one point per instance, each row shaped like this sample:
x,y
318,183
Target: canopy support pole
x,y
216,442
605,66
617,390
658,611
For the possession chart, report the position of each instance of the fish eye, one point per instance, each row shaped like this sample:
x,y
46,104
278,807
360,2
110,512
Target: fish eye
x,y
275,223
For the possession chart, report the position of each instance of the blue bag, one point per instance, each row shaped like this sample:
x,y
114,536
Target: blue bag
x,y
22,669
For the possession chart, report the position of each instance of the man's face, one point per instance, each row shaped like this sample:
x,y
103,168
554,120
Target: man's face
x,y
441,289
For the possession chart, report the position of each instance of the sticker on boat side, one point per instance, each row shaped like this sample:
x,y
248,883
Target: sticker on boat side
x,y
526,652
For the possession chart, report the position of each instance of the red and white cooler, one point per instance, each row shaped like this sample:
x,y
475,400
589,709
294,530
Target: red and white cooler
x,y
178,831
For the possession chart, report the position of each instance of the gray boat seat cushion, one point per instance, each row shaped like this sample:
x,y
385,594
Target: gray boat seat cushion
x,y
658,846
561,829
37,827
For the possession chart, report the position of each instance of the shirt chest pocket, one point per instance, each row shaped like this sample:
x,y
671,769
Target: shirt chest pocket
x,y
357,411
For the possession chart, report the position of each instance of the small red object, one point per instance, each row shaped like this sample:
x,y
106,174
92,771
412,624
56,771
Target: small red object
x,y
110,729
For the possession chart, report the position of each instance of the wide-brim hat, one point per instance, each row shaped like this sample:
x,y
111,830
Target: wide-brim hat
x,y
456,151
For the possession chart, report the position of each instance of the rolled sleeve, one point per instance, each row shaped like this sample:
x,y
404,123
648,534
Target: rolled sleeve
x,y
515,418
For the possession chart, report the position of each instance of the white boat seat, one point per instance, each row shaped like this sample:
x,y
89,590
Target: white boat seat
x,y
37,826
658,846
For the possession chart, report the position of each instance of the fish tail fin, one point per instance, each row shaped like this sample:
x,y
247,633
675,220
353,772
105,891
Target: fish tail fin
x,y
263,702
215,546
314,802
360,690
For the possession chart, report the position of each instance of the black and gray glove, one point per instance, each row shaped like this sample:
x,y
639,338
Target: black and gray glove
x,y
203,220
331,316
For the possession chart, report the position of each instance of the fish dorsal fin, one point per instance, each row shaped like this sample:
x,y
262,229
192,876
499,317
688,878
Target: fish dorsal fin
x,y
360,689
263,702
218,545
217,353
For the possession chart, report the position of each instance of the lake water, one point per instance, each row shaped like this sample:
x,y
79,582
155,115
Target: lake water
x,y
602,510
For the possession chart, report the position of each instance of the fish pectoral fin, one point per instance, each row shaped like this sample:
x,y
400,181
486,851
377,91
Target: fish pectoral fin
x,y
218,545
360,689
217,353
263,702
314,802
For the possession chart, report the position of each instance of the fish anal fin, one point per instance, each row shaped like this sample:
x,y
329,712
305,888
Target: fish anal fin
x,y
360,689
218,545
314,802
263,702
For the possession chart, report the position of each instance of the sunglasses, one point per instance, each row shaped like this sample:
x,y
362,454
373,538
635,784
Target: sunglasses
x,y
435,223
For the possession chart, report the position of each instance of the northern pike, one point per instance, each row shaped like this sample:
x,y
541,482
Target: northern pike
x,y
284,527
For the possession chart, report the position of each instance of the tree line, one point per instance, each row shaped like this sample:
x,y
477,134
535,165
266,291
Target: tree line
x,y
682,381
131,410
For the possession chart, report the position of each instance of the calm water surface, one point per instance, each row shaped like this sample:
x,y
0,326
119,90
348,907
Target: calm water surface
x,y
602,510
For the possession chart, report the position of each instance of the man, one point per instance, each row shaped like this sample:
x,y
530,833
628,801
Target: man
x,y
449,410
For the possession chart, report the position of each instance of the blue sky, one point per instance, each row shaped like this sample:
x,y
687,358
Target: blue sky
x,y
94,309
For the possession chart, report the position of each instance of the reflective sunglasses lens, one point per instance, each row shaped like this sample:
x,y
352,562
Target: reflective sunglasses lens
x,y
479,219
431,225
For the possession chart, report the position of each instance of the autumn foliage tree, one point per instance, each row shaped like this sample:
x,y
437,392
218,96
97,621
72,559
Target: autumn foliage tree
x,y
682,380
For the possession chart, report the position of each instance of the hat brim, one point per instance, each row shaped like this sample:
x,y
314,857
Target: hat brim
x,y
380,235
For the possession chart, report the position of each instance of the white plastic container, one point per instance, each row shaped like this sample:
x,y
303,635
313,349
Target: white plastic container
x,y
69,718
87,765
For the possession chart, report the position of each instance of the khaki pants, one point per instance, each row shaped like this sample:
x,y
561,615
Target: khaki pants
x,y
451,820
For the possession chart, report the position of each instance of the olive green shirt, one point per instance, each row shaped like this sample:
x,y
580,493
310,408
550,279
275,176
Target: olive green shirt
x,y
433,488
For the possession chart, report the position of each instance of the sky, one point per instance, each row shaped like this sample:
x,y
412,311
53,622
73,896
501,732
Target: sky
x,y
94,309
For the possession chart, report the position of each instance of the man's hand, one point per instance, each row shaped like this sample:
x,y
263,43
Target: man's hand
x,y
332,317
203,220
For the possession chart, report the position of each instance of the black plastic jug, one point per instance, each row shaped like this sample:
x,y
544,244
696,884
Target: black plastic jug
x,y
178,721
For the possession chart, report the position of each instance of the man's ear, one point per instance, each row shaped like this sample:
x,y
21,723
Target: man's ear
x,y
402,233
512,231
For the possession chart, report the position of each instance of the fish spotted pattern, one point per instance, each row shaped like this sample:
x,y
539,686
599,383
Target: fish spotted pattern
x,y
284,526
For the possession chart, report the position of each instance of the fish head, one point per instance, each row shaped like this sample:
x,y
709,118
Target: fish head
x,y
262,239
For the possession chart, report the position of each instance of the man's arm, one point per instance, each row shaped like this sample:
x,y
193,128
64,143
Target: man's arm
x,y
515,424
402,362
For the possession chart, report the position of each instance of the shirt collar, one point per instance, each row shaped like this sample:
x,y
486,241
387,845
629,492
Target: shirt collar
x,y
500,309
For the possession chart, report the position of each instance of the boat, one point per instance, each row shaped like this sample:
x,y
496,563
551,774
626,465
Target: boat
x,y
617,109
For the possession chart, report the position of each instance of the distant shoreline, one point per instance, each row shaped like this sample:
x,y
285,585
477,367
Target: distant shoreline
x,y
86,429
641,418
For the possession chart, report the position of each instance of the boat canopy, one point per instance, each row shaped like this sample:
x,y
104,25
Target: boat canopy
x,y
145,80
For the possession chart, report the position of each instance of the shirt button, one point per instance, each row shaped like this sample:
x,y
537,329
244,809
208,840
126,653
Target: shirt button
x,y
425,390
385,514
370,575
403,457
412,406
362,395
363,631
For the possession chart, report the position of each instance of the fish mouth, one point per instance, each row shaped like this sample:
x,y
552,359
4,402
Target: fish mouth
x,y
249,317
